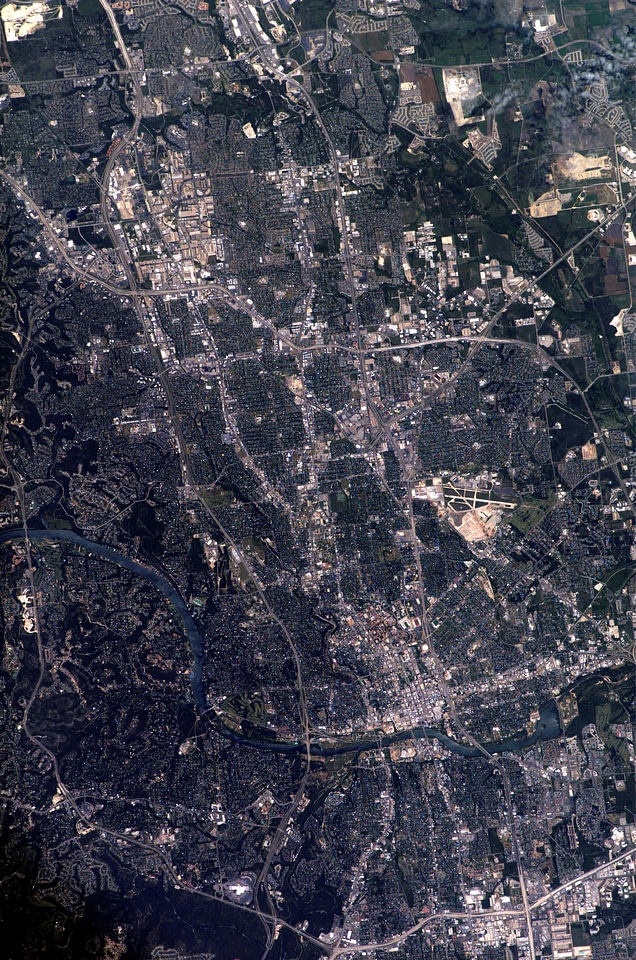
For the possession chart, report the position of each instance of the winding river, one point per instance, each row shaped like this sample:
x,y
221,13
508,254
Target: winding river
x,y
148,573
548,726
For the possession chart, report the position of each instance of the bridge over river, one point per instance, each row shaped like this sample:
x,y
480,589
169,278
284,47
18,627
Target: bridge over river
x,y
548,726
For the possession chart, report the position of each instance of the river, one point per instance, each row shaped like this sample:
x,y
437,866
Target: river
x,y
148,573
548,726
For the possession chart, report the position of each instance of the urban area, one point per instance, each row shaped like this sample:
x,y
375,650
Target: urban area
x,y
317,479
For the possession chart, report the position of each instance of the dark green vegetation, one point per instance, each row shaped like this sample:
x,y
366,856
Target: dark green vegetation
x,y
531,513
36,926
611,693
258,483
85,31
89,8
313,13
450,37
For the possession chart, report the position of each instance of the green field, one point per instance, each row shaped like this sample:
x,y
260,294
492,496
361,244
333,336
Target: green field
x,y
313,13
531,513
89,8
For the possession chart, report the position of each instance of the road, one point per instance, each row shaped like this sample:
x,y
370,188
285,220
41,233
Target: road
x,y
143,303
385,431
269,916
582,878
482,337
482,340
143,306
352,949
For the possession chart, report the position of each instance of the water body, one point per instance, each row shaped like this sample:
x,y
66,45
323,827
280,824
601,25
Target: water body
x,y
548,726
164,586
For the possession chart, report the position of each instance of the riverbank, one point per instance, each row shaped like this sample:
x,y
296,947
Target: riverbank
x,y
548,726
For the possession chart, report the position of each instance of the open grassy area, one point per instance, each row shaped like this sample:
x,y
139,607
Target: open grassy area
x,y
89,8
530,513
313,13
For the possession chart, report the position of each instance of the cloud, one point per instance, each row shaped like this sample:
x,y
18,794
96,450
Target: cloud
x,y
500,101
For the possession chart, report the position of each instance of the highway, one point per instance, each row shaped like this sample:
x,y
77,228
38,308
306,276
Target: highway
x,y
477,342
143,306
142,300
347,950
344,950
581,879
384,430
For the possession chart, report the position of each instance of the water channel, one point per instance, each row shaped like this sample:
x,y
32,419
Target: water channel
x,y
548,726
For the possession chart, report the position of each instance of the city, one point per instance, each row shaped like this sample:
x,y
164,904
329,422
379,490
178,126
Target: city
x,y
317,479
